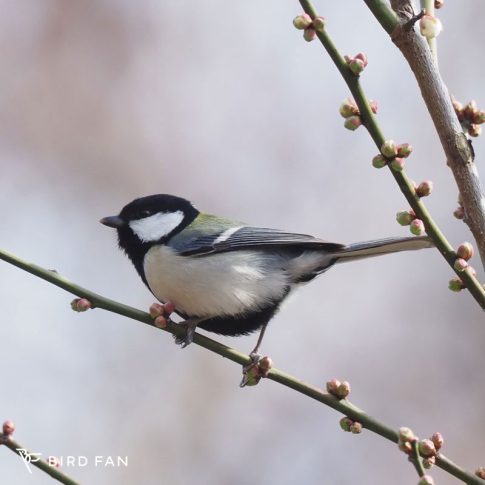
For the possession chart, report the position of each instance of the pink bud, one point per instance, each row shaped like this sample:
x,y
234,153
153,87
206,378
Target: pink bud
x,y
319,24
459,212
373,106
406,434
265,365
404,218
362,57
398,164
156,310
332,386
429,462
309,34
424,188
348,108
465,250
8,428
81,304
302,21
437,439
343,390
426,480
460,264
404,150
474,130
417,227
161,322
356,427
356,66
352,122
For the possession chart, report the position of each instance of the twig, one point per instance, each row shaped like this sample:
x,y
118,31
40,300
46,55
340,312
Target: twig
x,y
54,472
344,406
428,7
407,188
437,98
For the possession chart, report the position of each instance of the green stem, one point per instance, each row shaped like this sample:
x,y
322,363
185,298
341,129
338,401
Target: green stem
x,y
343,406
370,122
416,459
386,17
41,464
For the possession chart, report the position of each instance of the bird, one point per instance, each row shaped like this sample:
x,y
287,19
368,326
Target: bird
x,y
222,275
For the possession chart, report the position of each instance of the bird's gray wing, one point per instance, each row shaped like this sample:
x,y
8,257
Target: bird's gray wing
x,y
246,237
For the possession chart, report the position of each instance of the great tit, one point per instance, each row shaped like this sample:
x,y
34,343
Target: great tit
x,y
222,275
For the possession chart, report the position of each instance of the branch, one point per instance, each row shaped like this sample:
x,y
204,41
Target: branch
x,y
31,458
438,101
342,405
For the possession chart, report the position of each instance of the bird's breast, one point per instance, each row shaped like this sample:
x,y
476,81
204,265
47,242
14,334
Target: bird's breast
x,y
221,284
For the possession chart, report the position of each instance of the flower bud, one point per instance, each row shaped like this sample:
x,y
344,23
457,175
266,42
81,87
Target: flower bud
x,y
404,218
345,423
424,188
265,365
343,390
373,106
460,264
379,161
417,227
480,472
404,150
430,26
470,110
302,21
352,122
356,66
455,284
319,24
465,250
81,304
8,428
426,480
406,434
362,57
405,446
389,149
429,462
437,439
356,427
332,386
397,164
160,322
474,130
459,212
309,34
478,117
438,3
348,108
156,310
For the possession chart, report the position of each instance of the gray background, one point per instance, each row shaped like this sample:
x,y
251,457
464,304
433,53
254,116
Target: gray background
x,y
225,104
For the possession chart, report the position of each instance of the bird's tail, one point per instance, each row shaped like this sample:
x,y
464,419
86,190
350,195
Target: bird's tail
x,y
377,247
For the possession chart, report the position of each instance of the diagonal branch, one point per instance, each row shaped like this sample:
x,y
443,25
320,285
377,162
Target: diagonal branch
x,y
343,406
438,101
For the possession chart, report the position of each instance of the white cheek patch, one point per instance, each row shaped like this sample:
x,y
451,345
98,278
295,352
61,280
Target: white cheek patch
x,y
154,227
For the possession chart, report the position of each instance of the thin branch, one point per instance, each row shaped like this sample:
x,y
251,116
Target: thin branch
x,y
405,184
428,6
344,406
54,472
438,101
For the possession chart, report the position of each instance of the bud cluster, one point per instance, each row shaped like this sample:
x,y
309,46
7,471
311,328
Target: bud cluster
x,y
470,116
351,426
310,27
464,252
356,63
338,389
408,218
393,155
350,111
254,373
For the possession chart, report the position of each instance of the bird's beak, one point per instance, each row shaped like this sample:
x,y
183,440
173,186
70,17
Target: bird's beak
x,y
113,221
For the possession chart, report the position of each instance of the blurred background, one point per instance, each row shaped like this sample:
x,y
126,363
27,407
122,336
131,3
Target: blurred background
x,y
225,104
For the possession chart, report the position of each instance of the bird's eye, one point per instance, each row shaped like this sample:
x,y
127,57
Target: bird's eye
x,y
145,213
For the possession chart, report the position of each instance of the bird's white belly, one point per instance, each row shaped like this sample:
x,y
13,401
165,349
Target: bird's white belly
x,y
214,285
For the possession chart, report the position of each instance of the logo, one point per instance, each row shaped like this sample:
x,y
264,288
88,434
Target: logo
x,y
28,457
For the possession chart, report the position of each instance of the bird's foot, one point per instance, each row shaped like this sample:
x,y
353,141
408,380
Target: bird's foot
x,y
190,325
161,313
256,369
